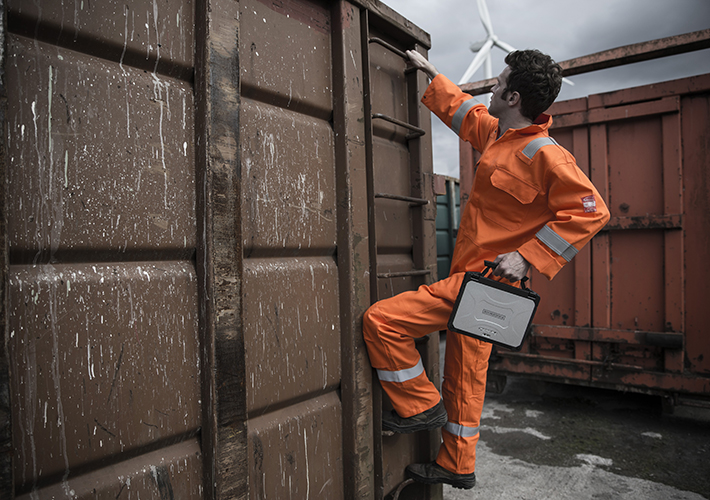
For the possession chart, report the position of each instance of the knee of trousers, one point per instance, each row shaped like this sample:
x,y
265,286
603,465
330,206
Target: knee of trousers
x,y
369,325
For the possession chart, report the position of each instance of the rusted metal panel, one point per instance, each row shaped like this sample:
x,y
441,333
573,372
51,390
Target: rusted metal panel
x,y
292,342
174,472
695,122
155,36
288,180
109,179
296,451
84,340
102,223
623,307
291,301
274,67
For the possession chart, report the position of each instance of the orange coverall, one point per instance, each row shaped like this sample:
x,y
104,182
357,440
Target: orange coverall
x,y
528,195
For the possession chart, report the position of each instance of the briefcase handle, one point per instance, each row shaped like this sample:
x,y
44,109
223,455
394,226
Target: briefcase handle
x,y
492,265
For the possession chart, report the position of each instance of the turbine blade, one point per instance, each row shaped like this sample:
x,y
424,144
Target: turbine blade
x,y
485,16
477,61
504,46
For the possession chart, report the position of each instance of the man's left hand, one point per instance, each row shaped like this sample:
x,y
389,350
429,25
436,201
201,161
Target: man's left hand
x,y
511,266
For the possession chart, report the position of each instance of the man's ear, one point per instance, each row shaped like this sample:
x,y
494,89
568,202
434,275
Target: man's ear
x,y
513,98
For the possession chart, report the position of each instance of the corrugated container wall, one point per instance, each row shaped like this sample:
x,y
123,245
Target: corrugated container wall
x,y
630,311
199,206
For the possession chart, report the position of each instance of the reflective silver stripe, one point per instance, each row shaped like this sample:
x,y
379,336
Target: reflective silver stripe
x,y
401,375
460,114
460,430
535,145
556,243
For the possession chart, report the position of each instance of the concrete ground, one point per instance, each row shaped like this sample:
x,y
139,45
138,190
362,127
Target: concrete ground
x,y
562,442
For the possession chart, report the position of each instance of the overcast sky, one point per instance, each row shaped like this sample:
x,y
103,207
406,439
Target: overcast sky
x,y
564,29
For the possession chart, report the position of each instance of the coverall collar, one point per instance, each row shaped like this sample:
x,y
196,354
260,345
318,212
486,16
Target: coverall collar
x,y
541,124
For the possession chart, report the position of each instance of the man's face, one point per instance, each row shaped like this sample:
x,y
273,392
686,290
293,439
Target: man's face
x,y
498,105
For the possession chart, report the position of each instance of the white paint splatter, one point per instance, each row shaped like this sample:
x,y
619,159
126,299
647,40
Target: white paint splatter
x,y
505,430
594,460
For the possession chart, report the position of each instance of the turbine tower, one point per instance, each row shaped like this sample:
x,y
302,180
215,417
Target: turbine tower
x,y
483,48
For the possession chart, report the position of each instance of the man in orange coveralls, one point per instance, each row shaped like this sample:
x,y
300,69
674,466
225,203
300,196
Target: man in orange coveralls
x,y
529,205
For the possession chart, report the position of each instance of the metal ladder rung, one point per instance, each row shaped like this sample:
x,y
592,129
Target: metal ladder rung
x,y
413,201
416,131
389,46
404,274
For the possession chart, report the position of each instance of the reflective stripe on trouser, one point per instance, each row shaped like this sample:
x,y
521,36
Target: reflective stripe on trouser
x,y
390,327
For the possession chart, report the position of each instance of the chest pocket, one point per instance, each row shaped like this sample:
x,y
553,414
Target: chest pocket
x,y
509,201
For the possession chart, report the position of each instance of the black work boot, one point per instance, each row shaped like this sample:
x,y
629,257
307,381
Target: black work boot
x,y
433,473
433,418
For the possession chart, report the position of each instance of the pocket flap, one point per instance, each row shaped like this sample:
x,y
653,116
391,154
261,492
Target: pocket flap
x,y
517,188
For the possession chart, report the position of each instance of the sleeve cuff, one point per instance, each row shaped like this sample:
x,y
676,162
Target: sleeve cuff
x,y
540,258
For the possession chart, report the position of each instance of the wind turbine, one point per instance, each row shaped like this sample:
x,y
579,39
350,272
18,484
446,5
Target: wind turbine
x,y
483,48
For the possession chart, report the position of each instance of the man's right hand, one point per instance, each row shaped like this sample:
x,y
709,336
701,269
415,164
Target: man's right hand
x,y
418,61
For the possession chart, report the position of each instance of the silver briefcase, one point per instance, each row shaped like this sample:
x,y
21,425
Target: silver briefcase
x,y
492,311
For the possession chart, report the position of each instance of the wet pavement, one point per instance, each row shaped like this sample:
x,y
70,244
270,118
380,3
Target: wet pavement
x,y
555,441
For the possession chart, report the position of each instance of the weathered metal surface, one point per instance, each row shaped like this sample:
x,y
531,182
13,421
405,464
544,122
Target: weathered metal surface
x,y
6,472
695,122
101,224
644,51
219,251
292,342
174,472
288,180
633,300
353,251
84,340
108,180
153,36
274,67
188,247
296,451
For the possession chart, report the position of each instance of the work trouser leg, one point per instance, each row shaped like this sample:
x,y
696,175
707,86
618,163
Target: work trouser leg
x,y
390,327
464,388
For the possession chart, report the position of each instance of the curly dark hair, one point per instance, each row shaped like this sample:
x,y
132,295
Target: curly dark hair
x,y
536,77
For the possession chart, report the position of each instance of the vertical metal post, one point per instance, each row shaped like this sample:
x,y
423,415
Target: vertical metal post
x,y
219,251
674,261
353,252
372,239
6,454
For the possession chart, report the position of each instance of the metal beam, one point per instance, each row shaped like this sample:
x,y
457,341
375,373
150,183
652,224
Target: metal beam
x,y
628,54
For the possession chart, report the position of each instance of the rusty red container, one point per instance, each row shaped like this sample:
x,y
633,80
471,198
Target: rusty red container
x,y
630,312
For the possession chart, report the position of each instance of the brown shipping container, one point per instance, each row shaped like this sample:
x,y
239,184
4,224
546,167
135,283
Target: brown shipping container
x,y
200,199
630,312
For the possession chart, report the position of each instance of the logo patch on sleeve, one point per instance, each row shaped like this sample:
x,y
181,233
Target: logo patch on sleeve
x,y
589,203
